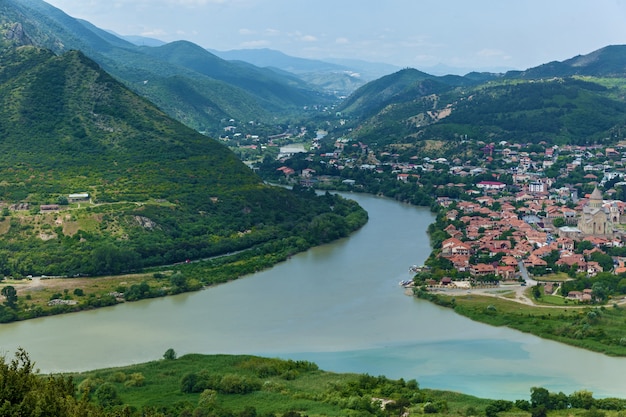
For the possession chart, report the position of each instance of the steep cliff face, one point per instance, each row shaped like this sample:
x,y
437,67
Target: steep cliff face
x,y
15,34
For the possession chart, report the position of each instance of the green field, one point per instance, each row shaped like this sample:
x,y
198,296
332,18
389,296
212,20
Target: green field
x,y
597,328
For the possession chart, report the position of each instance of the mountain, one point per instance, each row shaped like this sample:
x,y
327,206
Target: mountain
x,y
141,40
334,75
368,70
264,57
547,103
183,88
274,90
609,61
151,190
405,85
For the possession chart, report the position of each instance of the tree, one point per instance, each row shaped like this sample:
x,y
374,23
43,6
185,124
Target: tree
x,y
179,281
540,397
10,294
107,396
605,261
169,354
582,399
24,393
582,246
600,292
537,291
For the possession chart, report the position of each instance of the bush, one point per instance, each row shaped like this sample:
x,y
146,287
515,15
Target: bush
x,y
235,384
118,377
106,395
435,407
135,380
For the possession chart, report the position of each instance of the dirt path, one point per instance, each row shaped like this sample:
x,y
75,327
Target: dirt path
x,y
506,292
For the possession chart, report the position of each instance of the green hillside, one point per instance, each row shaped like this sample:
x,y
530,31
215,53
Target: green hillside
x,y
158,192
576,101
250,386
609,61
406,85
185,81
556,110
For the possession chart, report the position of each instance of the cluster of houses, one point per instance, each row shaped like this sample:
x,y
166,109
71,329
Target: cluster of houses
x,y
71,198
523,206
520,232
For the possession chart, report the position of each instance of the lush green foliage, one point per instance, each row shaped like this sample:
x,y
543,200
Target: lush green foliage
x,y
159,193
230,386
281,242
186,81
235,385
598,329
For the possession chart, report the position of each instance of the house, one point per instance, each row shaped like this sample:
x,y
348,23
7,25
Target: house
x,y
453,232
593,268
575,295
548,288
535,261
454,246
509,260
286,170
491,185
482,269
452,215
460,262
72,198
49,207
308,173
506,272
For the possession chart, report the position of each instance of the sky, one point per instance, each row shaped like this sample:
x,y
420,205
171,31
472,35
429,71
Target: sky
x,y
483,35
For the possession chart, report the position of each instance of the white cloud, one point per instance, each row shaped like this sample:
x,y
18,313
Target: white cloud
x,y
271,32
308,38
342,41
493,53
255,44
154,33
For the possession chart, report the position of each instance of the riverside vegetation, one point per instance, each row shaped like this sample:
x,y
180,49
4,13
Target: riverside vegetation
x,y
248,386
158,193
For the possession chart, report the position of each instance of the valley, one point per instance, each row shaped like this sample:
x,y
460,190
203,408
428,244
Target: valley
x,y
143,177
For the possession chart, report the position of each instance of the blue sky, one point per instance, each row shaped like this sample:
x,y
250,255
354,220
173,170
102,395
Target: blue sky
x,y
477,35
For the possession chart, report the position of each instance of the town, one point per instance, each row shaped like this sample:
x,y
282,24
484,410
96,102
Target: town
x,y
503,208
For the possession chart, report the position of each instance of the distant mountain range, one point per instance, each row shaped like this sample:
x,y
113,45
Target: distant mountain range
x,y
204,89
188,82
609,61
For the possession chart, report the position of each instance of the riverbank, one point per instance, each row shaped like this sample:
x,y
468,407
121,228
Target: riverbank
x,y
599,329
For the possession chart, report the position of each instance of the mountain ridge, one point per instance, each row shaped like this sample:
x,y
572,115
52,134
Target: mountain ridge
x,y
158,191
210,99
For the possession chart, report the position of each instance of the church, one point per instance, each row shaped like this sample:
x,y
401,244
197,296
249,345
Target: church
x,y
598,218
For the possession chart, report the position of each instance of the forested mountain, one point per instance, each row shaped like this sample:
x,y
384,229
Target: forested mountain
x,y
579,101
405,85
609,61
184,80
158,192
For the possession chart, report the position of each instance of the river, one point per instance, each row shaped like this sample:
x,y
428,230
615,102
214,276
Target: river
x,y
339,306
